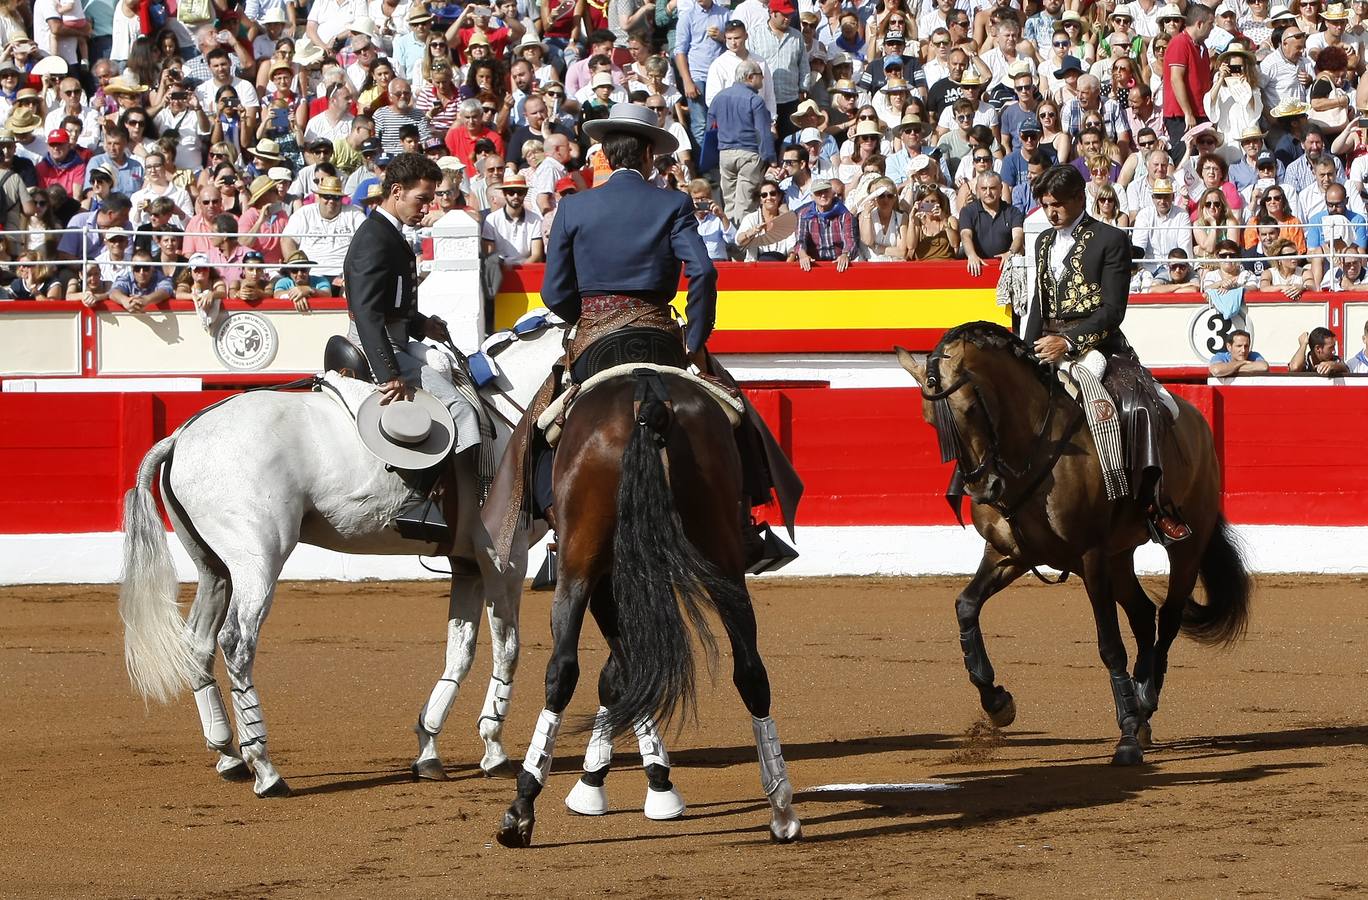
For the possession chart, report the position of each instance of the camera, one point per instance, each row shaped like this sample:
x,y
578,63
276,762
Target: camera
x,y
702,205
180,95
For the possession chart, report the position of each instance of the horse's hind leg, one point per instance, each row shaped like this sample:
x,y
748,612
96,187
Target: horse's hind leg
x,y
504,604
463,627
254,586
588,797
562,674
1140,611
752,682
202,626
994,573
1096,576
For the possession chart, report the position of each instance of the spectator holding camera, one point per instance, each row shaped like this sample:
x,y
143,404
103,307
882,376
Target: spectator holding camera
x,y
714,227
931,232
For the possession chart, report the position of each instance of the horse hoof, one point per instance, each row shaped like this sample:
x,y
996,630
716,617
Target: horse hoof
x,y
236,770
662,806
277,788
504,769
429,770
1145,735
515,833
1005,714
1128,753
587,800
786,832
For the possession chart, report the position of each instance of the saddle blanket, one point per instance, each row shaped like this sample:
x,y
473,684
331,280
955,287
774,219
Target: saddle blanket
x,y
551,420
349,393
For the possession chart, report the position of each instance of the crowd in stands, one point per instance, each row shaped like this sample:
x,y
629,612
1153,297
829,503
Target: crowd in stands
x,y
235,145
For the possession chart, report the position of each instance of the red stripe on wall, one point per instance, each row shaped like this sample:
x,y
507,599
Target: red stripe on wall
x,y
1290,455
871,340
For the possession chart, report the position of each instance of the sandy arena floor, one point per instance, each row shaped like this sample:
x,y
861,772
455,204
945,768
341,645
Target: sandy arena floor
x,y
1260,786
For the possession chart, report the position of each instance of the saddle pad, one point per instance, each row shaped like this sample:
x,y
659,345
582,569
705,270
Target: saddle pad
x,y
549,421
348,392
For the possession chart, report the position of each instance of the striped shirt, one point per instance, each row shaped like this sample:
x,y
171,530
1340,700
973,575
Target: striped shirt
x,y
388,121
787,58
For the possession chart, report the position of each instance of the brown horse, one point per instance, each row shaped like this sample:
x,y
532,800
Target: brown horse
x,y
1031,468
648,497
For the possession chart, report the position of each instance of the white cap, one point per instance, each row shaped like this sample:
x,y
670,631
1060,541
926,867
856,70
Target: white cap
x,y
807,135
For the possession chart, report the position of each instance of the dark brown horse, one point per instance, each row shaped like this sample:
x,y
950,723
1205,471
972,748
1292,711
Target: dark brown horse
x,y
1030,466
648,494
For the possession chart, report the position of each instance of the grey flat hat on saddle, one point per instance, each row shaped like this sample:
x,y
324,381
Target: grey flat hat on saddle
x,y
633,119
413,434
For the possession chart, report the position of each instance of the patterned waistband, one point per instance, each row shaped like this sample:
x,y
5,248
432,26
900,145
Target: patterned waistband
x,y
602,304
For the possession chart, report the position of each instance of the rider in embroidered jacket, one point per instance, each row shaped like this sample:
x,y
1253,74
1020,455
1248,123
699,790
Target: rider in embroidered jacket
x,y
1082,287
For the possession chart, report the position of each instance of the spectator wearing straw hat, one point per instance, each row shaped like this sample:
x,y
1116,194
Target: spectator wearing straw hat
x,y
323,230
513,233
407,50
298,282
23,125
264,220
1162,226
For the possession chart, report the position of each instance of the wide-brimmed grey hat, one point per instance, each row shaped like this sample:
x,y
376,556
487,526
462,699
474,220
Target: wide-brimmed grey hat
x,y
633,119
406,434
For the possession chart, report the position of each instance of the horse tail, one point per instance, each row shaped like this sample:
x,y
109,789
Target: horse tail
x,y
1225,616
659,578
155,650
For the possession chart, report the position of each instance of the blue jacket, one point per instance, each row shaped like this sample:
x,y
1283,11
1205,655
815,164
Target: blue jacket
x,y
629,237
742,120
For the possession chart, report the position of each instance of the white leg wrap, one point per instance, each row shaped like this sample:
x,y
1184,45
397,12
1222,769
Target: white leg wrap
x,y
213,716
773,770
652,747
599,753
438,705
543,746
251,725
496,701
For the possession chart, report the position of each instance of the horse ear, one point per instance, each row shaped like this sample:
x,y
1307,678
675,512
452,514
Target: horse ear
x,y
909,362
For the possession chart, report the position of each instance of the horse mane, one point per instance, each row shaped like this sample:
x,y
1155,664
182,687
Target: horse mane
x,y
990,336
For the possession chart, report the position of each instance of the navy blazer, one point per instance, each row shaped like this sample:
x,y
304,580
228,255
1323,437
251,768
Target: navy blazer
x,y
629,237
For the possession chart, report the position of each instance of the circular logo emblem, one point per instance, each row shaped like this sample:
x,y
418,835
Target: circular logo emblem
x,y
246,342
1104,410
1208,333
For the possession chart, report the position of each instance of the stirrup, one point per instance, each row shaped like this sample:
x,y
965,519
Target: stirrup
x,y
765,550
421,520
1165,526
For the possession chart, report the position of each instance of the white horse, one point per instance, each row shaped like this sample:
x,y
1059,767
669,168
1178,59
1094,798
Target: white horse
x,y
245,482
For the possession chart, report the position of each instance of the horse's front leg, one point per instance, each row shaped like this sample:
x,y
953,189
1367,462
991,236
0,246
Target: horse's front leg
x,y
994,573
1096,577
463,627
504,602
562,674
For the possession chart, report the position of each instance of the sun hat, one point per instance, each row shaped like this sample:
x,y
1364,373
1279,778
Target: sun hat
x,y
913,122
198,261
602,79
478,37
363,25
806,109
820,184
1335,12
406,434
418,14
1252,133
971,78
1070,63
1169,11
841,58
279,173
328,184
632,119
127,83
267,149
298,259
844,86
1019,68
282,65
273,16
260,187
867,129
515,181
1289,109
450,164
23,121
809,136
894,86
1162,186
307,53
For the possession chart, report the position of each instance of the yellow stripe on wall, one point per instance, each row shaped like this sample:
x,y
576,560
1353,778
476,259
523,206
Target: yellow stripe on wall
x,y
821,310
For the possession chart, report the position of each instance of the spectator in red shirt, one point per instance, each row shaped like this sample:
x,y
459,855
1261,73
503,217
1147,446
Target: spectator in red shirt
x,y
62,165
1188,65
469,129
474,20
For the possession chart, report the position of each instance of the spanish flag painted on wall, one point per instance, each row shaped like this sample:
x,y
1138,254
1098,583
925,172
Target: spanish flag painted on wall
x,y
779,308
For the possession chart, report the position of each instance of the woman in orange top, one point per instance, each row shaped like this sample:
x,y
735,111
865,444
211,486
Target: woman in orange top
x,y
1273,204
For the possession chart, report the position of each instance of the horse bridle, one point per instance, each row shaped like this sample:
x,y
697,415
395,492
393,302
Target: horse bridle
x,y
953,448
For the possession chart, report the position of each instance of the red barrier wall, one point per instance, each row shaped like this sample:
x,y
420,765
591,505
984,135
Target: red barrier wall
x,y
1291,455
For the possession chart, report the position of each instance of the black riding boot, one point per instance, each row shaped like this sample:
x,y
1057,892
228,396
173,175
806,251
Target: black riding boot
x,y
421,519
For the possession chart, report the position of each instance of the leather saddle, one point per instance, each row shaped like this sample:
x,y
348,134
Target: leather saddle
x,y
1145,421
628,346
341,355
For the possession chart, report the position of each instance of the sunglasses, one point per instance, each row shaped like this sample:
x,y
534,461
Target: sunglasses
x,y
75,93
940,43
792,162
1179,266
770,194
1226,255
215,201
866,118
1145,145
1274,197
489,109
329,198
401,93
1106,199
1061,43
1046,115
983,159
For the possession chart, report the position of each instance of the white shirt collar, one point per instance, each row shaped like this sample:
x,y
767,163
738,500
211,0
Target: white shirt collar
x,y
393,220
